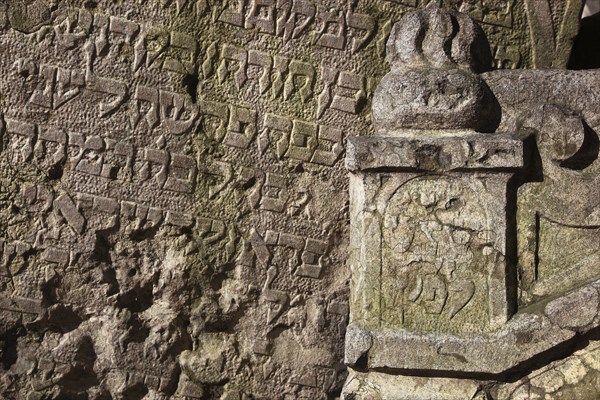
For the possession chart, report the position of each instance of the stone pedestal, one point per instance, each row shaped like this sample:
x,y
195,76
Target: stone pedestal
x,y
428,240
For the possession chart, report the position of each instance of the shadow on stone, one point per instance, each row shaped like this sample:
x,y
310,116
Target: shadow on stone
x,y
586,48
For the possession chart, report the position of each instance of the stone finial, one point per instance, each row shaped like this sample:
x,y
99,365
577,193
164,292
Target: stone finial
x,y
434,55
439,38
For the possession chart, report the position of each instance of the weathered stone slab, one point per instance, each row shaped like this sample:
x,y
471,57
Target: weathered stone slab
x,y
516,91
438,261
572,377
173,199
525,336
459,151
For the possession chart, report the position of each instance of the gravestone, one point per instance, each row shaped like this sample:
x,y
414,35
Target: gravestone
x,y
474,225
174,219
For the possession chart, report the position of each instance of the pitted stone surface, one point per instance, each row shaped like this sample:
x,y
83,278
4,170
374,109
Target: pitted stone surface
x,y
173,199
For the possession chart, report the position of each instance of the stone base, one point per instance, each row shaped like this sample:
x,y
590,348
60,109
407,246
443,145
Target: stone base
x,y
574,377
380,386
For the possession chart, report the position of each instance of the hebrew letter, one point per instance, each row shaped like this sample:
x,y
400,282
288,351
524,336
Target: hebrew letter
x,y
333,136
176,112
128,209
154,216
242,127
294,242
100,25
126,31
461,293
122,167
93,163
299,69
178,219
299,203
76,147
25,67
361,22
231,53
148,217
65,206
255,179
209,60
263,255
179,4
303,141
329,77
22,141
385,30
498,14
43,95
508,57
293,16
68,85
215,117
280,68
106,205
152,158
354,83
110,87
141,213
262,16
264,61
435,294
85,202
51,139
283,127
182,174
333,30
66,34
150,96
278,300
38,198
311,258
274,193
56,256
234,16
124,27
109,206
209,230
150,45
222,169
185,47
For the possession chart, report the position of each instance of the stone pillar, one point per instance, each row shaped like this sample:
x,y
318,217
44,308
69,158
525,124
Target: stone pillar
x,y
430,209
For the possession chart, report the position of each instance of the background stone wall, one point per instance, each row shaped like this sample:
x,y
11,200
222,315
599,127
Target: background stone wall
x,y
173,197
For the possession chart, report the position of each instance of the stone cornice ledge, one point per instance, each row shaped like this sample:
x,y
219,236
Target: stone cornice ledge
x,y
467,151
529,333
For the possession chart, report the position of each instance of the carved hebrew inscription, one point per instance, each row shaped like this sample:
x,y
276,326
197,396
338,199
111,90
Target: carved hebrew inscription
x,y
441,253
434,237
173,199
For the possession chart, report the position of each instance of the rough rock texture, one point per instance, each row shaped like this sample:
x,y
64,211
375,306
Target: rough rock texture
x,y
174,213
